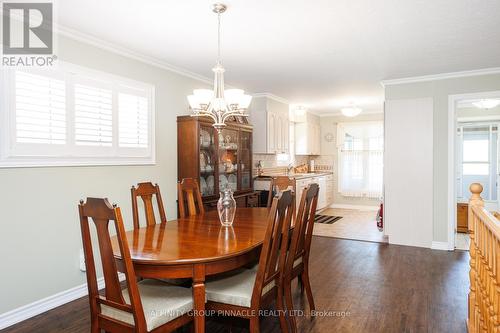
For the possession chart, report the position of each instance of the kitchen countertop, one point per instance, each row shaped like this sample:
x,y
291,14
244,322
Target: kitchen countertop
x,y
296,175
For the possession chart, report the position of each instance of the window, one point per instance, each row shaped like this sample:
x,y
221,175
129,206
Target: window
x,y
75,116
477,158
360,146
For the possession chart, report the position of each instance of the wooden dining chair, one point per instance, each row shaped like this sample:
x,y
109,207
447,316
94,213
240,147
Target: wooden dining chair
x,y
146,191
249,289
147,306
190,195
297,262
278,184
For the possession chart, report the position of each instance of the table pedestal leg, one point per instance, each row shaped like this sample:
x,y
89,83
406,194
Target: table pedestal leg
x,y
199,298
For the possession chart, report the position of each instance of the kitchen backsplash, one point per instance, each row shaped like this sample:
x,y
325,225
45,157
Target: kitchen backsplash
x,y
272,167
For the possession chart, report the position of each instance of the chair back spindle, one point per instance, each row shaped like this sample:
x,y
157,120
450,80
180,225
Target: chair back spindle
x,y
190,196
278,184
146,191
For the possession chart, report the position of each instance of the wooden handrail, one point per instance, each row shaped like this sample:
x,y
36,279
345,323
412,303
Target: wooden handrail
x,y
484,275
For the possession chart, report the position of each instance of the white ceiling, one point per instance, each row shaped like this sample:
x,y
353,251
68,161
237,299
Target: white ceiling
x,y
323,54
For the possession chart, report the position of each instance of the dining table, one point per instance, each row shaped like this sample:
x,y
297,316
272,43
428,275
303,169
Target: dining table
x,y
195,247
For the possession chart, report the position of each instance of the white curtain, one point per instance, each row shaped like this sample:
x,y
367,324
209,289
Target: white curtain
x,y
360,147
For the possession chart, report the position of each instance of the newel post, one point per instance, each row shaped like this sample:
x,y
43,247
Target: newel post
x,y
474,201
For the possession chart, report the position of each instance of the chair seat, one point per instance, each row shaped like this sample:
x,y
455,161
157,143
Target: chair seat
x,y
236,289
161,303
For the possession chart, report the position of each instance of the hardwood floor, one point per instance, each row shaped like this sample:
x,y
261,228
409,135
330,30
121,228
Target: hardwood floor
x,y
379,287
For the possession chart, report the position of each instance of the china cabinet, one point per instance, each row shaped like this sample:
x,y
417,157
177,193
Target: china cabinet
x,y
216,160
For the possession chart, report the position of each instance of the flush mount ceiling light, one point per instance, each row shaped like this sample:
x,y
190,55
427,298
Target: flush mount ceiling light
x,y
351,111
486,104
217,103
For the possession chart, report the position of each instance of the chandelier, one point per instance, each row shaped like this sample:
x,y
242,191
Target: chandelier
x,y
217,103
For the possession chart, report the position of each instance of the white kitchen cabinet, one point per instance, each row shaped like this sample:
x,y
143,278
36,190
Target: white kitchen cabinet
x,y
322,181
307,137
271,120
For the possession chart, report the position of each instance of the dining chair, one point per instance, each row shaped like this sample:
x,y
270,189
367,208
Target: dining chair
x,y
297,262
147,306
190,195
278,184
146,191
246,291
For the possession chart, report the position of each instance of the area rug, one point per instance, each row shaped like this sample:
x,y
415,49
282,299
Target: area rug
x,y
326,219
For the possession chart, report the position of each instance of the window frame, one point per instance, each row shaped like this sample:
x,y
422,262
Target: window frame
x,y
14,154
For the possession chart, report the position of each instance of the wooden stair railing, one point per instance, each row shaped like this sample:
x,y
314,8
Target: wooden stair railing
x,y
484,293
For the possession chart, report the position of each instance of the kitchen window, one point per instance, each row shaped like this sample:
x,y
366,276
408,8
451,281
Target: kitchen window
x,y
360,163
75,116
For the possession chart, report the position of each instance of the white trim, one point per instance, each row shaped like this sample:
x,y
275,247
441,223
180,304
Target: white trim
x,y
452,124
441,246
271,96
45,304
442,76
478,119
115,48
357,207
14,155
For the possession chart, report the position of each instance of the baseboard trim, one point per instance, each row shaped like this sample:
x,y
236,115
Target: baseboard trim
x,y
358,207
48,303
440,246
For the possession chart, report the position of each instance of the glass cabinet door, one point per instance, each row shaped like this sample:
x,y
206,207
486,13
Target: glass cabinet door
x,y
208,159
245,166
228,159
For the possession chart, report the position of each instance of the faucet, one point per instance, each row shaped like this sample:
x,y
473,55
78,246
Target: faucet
x,y
289,169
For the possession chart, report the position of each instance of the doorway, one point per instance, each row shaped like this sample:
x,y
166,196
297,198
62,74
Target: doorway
x,y
474,151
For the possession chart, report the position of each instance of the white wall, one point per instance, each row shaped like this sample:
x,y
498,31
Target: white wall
x,y
439,90
40,237
408,172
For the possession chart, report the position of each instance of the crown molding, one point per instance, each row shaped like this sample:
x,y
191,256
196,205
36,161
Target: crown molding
x,y
272,96
123,51
339,113
442,76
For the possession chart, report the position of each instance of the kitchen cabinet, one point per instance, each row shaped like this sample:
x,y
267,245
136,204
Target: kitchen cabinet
x,y
322,181
308,136
271,126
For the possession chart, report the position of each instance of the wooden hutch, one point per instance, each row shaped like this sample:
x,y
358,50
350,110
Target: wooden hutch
x,y
217,160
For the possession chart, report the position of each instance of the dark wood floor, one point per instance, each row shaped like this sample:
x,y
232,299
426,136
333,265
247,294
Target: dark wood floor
x,y
381,288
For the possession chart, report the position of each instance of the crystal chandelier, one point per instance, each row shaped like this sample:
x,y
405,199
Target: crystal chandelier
x,y
217,103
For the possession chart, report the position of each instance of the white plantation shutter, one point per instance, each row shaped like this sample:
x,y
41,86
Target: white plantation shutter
x,y
93,116
133,121
40,110
69,115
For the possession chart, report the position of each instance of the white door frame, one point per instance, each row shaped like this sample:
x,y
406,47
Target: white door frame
x,y
452,130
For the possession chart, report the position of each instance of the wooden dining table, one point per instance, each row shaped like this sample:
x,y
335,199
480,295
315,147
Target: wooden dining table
x,y
196,247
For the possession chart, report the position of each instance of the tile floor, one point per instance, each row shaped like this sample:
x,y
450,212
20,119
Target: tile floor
x,y
354,224
462,241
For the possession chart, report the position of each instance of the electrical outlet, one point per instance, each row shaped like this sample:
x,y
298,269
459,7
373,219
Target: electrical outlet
x,y
83,268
